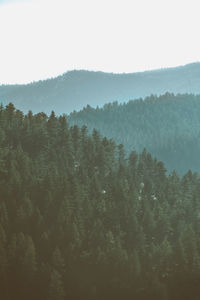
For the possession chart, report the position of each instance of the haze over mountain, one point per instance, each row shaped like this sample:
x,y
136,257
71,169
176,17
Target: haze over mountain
x,y
167,126
75,89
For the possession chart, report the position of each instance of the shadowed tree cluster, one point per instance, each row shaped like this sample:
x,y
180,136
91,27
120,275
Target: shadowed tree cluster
x,y
80,220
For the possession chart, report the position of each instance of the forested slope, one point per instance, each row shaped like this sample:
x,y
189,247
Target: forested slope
x,y
80,220
167,126
75,89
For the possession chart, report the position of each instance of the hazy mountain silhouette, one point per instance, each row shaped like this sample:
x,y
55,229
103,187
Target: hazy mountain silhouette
x,y
167,126
75,89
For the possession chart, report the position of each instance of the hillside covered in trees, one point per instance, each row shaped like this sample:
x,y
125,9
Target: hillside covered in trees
x,y
167,126
76,89
80,220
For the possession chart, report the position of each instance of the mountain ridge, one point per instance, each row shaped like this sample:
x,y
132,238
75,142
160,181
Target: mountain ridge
x,y
75,89
168,126
99,71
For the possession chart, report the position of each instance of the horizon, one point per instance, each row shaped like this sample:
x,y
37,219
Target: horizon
x,y
108,36
99,71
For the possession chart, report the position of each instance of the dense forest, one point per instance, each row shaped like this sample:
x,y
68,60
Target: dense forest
x,y
75,89
81,220
167,126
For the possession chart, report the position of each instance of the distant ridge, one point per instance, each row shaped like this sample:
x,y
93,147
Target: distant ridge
x,y
75,89
167,126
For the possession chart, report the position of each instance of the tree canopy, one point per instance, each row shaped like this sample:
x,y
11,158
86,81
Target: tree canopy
x,y
81,220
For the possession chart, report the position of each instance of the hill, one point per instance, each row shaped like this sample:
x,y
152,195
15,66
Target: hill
x,y
167,126
79,220
75,89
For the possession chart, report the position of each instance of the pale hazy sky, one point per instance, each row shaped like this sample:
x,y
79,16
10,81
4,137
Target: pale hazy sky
x,y
44,38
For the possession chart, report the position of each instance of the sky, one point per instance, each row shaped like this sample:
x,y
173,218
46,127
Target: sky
x,y
42,38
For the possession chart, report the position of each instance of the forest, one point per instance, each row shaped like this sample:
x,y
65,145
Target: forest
x,y
168,126
80,219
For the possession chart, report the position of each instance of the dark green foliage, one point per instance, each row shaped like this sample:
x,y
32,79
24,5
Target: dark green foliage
x,y
167,126
80,220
